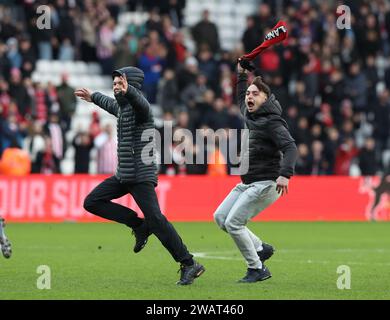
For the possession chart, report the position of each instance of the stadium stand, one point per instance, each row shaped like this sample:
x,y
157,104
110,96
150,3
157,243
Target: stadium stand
x,y
333,84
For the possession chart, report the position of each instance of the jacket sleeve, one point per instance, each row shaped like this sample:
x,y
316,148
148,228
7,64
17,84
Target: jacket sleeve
x,y
242,86
106,103
139,102
286,144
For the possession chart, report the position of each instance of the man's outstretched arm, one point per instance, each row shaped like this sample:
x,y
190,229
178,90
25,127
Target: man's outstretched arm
x,y
101,100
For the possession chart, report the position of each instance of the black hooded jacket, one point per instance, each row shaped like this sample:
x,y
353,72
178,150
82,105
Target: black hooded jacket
x,y
271,151
135,129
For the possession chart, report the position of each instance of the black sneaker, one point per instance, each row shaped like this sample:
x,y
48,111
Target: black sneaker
x,y
189,273
5,245
266,253
141,234
254,275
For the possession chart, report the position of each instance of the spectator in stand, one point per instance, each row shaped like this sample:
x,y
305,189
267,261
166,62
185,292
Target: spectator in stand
x,y
88,27
151,62
330,146
205,32
13,53
187,73
66,52
154,21
209,67
167,92
367,159
369,37
18,91
279,89
8,27
178,44
106,145
264,19
11,132
251,36
371,75
304,161
57,137
5,98
381,113
105,46
125,52
83,145
34,143
174,9
202,108
269,61
226,85
5,64
67,102
192,94
217,117
355,87
94,127
47,162
319,165
346,152
28,57
41,103
302,134
52,96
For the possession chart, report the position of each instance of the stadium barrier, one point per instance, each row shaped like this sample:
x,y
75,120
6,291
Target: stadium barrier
x,y
58,198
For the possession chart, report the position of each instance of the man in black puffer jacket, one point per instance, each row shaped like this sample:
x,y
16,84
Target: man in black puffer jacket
x,y
270,159
136,172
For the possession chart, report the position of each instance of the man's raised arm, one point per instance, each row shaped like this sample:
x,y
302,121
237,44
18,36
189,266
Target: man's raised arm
x,y
242,86
138,101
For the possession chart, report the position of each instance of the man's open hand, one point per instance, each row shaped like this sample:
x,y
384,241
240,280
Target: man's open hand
x,y
282,185
125,85
84,94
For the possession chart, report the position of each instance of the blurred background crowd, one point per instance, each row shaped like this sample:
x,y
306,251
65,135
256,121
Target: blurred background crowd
x,y
333,84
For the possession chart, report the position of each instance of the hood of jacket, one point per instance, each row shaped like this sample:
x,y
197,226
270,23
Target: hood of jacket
x,y
135,76
270,106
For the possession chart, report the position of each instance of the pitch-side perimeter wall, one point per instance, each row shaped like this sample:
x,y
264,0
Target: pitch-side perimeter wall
x,y
58,198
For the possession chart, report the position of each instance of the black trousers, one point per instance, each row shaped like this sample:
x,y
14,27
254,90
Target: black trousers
x,y
99,203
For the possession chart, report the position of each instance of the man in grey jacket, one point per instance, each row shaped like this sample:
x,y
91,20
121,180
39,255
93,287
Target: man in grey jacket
x,y
136,172
271,157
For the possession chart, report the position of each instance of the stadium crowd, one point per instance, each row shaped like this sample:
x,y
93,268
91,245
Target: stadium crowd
x,y
332,83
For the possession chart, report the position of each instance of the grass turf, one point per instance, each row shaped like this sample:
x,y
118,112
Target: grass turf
x,y
96,261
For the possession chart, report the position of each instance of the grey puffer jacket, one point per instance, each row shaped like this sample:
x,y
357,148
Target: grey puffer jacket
x,y
135,129
271,151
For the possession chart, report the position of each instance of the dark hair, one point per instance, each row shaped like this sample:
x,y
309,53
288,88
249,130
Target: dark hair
x,y
262,86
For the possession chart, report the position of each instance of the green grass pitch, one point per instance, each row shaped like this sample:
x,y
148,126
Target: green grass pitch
x,y
96,261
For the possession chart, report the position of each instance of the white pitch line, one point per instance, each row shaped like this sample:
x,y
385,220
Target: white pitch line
x,y
208,255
